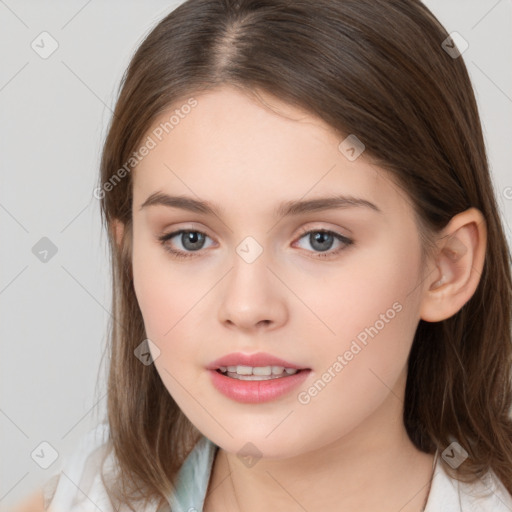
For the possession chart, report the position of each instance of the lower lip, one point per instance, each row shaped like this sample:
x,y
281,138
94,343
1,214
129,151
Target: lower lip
x,y
256,391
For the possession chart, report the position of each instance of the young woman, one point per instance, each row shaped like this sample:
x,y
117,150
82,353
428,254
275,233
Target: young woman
x,y
312,289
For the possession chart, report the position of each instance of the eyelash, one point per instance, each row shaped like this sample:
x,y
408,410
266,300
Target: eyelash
x,y
327,254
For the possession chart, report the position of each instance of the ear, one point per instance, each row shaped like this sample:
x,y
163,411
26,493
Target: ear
x,y
117,229
458,266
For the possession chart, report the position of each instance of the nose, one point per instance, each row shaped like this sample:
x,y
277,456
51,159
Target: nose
x,y
252,297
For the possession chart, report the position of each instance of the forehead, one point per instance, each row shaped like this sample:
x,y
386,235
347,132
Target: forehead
x,y
234,147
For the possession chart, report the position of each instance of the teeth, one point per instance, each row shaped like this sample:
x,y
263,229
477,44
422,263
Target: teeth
x,y
262,371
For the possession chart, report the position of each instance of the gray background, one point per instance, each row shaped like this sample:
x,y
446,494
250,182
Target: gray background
x,y
54,114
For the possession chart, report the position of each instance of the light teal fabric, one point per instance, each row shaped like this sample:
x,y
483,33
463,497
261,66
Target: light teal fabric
x,y
193,478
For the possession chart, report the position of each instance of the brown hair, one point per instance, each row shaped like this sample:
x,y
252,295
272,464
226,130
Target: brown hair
x,y
374,68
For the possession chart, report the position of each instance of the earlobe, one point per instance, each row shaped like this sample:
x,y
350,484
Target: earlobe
x,y
458,266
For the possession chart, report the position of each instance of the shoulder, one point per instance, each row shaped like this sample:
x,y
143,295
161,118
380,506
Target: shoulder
x,y
32,503
487,494
66,489
78,486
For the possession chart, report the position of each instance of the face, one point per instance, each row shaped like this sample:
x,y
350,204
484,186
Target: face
x,y
333,291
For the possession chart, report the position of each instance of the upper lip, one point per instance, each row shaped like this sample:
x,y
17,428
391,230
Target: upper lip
x,y
259,359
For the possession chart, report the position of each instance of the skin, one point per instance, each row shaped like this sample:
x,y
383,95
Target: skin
x,y
32,503
346,449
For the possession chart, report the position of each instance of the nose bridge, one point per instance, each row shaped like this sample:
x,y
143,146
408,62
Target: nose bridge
x,y
252,295
249,276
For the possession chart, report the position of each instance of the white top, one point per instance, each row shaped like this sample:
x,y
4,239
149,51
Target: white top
x,y
78,487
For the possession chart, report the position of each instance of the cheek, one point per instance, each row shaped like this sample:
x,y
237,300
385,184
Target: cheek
x,y
162,293
368,315
164,309
361,366
153,293
169,300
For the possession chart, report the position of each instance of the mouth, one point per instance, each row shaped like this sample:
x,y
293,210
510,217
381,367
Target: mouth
x,y
258,364
258,372
257,384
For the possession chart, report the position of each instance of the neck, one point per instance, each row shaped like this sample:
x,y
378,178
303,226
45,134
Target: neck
x,y
374,467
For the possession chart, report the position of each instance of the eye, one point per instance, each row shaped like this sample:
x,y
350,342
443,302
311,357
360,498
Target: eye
x,y
191,240
322,240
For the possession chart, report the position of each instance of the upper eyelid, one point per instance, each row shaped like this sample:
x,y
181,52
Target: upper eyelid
x,y
302,231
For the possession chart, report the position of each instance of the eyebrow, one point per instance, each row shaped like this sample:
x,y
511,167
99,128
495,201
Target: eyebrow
x,y
287,208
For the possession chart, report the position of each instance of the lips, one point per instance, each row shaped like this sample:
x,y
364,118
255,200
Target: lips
x,y
259,359
257,391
